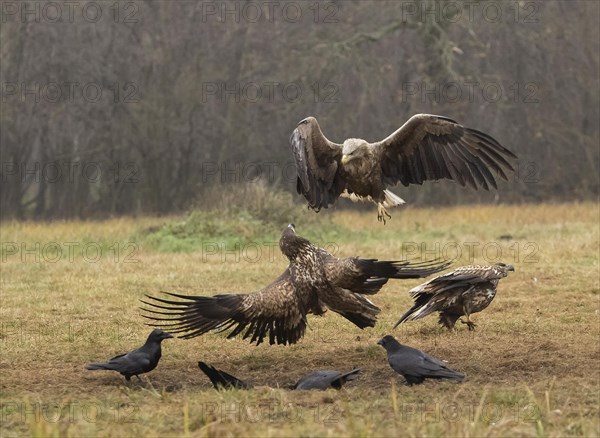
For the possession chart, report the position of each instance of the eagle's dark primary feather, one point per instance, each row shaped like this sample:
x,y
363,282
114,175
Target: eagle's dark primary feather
x,y
314,281
426,148
466,290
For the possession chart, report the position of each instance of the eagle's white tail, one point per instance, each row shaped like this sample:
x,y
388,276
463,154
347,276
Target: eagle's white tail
x,y
391,200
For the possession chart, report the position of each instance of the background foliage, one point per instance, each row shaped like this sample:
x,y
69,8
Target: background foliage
x,y
160,135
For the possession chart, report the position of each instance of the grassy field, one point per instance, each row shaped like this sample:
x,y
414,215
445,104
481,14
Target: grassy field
x,y
71,290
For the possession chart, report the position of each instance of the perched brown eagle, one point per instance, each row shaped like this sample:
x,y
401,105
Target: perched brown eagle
x,y
466,290
426,148
314,281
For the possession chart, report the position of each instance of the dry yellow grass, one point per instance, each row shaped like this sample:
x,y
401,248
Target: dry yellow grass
x,y
532,366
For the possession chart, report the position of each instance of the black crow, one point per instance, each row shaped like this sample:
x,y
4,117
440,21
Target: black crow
x,y
136,362
414,365
220,379
316,380
325,379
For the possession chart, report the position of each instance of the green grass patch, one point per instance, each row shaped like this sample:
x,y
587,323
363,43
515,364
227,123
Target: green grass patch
x,y
236,215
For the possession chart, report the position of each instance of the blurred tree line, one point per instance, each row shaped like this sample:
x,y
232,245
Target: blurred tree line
x,y
139,107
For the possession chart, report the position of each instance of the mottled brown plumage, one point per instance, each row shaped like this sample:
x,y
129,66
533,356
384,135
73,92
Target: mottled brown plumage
x,y
313,282
462,292
425,148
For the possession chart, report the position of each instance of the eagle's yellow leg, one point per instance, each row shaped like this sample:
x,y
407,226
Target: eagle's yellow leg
x,y
382,213
470,324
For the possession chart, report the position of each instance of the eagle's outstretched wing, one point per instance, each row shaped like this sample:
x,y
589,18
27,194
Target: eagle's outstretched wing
x,y
463,278
429,147
317,161
277,311
367,276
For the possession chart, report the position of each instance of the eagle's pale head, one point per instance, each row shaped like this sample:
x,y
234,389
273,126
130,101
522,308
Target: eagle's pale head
x,y
354,148
307,120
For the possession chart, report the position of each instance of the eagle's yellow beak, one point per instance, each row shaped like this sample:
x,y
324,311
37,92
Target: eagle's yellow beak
x,y
345,159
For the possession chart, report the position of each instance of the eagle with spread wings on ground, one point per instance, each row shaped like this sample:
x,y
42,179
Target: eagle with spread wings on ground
x,y
466,290
313,282
426,148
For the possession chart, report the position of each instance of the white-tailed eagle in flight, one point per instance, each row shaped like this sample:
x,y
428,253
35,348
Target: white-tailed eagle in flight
x,y
426,148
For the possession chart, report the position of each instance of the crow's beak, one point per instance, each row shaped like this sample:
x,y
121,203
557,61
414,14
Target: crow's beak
x,y
380,342
167,335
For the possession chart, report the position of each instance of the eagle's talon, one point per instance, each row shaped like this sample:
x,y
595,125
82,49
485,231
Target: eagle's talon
x,y
470,325
382,213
